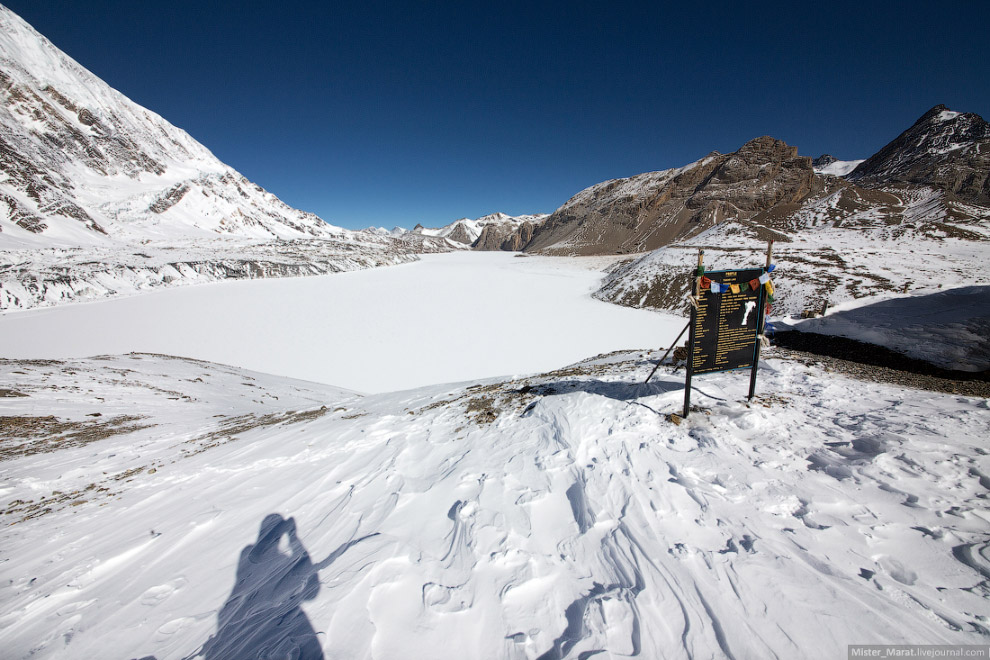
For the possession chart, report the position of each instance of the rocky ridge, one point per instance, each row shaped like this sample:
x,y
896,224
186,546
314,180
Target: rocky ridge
x,y
909,215
651,210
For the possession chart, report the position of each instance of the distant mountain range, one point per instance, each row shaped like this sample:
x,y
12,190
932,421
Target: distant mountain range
x,y
496,231
764,187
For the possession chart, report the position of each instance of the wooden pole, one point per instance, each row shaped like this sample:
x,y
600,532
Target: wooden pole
x,y
760,321
691,323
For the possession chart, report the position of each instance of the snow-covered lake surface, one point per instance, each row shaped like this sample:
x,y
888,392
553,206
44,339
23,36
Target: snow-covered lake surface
x,y
447,318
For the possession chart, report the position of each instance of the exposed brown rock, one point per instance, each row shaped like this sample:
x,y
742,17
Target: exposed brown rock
x,y
504,238
460,234
651,210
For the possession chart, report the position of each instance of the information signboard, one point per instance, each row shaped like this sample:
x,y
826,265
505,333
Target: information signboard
x,y
725,326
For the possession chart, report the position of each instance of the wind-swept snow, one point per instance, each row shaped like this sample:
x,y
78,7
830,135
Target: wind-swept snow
x,y
209,510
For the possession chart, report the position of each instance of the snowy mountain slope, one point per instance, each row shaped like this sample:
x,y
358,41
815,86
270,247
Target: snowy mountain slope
x,y
99,195
555,516
844,241
945,149
82,162
829,164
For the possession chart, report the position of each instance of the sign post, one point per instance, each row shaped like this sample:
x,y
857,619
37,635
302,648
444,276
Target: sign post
x,y
692,335
727,318
762,321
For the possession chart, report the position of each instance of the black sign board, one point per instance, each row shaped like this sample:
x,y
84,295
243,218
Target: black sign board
x,y
726,325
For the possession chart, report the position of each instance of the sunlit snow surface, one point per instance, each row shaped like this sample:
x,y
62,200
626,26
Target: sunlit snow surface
x,y
164,507
540,517
450,317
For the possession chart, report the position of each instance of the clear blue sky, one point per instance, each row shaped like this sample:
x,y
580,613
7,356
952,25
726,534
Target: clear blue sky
x,y
393,113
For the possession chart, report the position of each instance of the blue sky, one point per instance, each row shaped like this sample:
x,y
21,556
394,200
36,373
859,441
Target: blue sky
x,y
393,113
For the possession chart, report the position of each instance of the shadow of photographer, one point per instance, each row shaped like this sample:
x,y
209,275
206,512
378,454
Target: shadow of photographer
x,y
263,617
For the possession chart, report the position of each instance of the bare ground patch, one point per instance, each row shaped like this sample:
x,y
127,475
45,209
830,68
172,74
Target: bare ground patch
x,y
27,435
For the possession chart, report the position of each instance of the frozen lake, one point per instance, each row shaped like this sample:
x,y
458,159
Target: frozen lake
x,y
448,318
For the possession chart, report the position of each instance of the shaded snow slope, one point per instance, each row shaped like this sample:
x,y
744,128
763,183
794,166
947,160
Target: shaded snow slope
x,y
553,516
950,329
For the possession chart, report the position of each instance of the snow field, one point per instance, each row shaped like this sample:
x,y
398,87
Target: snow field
x,y
547,516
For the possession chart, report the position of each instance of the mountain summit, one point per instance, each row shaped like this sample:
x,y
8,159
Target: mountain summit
x,y
944,149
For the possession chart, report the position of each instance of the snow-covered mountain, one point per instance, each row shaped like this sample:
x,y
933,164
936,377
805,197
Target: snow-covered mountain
x,y
495,231
829,164
944,149
83,163
99,196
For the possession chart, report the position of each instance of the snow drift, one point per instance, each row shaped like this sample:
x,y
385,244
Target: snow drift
x,y
178,509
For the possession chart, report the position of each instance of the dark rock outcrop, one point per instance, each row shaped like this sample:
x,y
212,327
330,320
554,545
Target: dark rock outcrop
x,y
823,161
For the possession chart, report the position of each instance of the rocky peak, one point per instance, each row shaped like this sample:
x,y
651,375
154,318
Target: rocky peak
x,y
508,238
944,149
766,147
